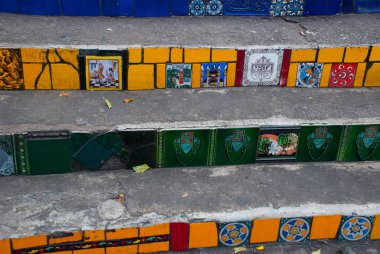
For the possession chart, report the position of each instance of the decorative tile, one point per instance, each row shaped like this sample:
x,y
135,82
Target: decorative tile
x,y
278,8
179,236
309,75
104,73
343,75
236,146
6,156
11,76
277,144
262,67
214,75
21,155
294,230
355,228
178,75
205,7
319,143
234,234
246,7
294,8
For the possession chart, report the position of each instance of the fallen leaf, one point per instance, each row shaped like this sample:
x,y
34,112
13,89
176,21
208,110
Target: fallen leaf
x,y
108,103
141,168
120,201
260,247
316,252
128,100
239,249
185,195
120,195
64,95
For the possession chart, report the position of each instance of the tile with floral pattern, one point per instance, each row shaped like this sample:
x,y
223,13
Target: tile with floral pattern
x,y
205,7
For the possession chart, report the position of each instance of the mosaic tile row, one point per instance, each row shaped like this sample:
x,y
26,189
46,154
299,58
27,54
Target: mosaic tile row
x,y
180,236
38,153
160,68
161,8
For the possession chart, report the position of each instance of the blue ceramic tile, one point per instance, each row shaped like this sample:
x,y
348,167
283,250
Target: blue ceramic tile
x,y
152,8
9,6
117,7
367,6
40,7
347,6
322,7
246,7
180,8
81,7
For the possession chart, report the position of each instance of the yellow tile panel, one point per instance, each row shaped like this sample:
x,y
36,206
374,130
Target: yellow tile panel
x,y
141,77
265,230
160,229
303,55
90,251
375,234
375,54
32,72
356,55
5,246
373,75
154,247
197,55
29,242
292,76
135,55
360,73
122,250
64,77
325,227
326,71
74,237
224,55
330,55
203,235
69,56
33,55
94,235
196,77
156,55
231,72
161,76
176,55
117,234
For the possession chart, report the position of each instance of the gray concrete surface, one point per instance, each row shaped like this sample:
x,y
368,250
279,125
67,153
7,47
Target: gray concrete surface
x,y
107,32
171,108
44,204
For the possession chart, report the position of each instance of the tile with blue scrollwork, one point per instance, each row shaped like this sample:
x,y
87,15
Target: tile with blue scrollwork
x,y
246,7
205,7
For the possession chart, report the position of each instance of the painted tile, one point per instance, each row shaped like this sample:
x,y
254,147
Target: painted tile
x,y
355,228
214,75
40,7
285,68
6,156
234,234
265,230
149,8
179,236
21,155
236,146
343,75
262,67
325,227
178,76
203,235
277,144
104,73
294,7
309,75
278,8
205,7
246,7
294,230
319,143
11,77
80,7
179,8
11,6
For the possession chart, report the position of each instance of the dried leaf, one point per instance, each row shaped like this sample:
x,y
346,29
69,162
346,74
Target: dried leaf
x,y
64,95
316,252
185,195
108,103
141,168
260,247
239,249
128,100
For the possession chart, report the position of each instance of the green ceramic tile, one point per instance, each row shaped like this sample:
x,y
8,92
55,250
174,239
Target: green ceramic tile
x,y
360,143
236,146
319,143
6,155
49,152
21,154
181,148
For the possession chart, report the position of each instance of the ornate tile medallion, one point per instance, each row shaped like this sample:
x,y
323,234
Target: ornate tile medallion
x,y
234,234
355,228
343,75
205,7
295,230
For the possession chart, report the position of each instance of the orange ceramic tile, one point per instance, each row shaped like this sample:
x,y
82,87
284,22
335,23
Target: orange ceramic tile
x,y
135,55
5,246
356,55
375,234
265,230
375,54
122,250
28,242
176,55
94,235
160,229
71,237
197,55
203,235
325,227
330,55
64,77
90,251
326,71
224,55
161,76
231,73
156,55
196,76
33,55
373,75
32,72
154,247
117,234
360,72
62,252
303,55
292,76
141,77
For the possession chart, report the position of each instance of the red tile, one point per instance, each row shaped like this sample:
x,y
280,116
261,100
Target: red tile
x,y
285,67
239,67
343,75
179,236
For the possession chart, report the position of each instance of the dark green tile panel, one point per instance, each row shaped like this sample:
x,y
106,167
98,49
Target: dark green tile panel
x,y
6,156
21,154
319,143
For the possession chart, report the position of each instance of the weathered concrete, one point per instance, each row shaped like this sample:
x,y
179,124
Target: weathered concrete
x,y
107,32
44,204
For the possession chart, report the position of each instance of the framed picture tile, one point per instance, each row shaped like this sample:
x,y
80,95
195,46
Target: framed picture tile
x,y
234,234
355,228
309,75
343,75
294,230
6,156
104,73
214,75
178,76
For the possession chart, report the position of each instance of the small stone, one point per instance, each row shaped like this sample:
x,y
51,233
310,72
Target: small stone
x,y
112,210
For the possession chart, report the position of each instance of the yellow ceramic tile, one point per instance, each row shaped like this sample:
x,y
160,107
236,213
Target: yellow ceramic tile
x,y
135,55
161,76
196,77
5,246
69,56
224,55
154,247
141,77
156,55
356,55
330,55
303,55
29,242
326,71
265,230
292,76
373,75
360,72
90,251
375,54
203,235
176,55
197,55
375,234
116,234
74,237
160,229
62,252
52,56
64,77
122,250
231,72
33,55
94,235
32,72
325,227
